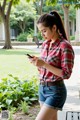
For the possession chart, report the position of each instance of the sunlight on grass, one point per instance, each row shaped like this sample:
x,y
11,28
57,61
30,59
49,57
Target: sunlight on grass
x,y
15,62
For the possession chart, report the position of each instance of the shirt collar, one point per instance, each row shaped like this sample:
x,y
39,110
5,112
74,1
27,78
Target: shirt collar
x,y
54,43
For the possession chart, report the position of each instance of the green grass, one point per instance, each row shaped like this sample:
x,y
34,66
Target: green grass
x,y
15,62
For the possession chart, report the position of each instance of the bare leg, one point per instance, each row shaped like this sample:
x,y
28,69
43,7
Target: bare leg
x,y
47,113
54,117
41,104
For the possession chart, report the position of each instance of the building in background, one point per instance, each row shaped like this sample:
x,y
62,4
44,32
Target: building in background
x,y
77,33
2,33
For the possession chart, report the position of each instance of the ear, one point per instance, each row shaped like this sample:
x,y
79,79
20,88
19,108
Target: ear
x,y
54,27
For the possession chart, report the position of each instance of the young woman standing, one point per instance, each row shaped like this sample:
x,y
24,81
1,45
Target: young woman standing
x,y
55,64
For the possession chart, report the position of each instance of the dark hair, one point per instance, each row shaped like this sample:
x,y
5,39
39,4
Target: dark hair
x,y
53,18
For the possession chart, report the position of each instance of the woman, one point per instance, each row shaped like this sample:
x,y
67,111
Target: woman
x,y
55,64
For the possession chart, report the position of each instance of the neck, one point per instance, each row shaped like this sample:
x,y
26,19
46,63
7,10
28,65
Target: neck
x,y
55,38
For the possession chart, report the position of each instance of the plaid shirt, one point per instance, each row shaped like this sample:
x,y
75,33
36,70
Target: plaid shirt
x,y
60,55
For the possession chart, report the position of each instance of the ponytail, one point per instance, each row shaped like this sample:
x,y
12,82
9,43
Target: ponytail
x,y
59,24
53,18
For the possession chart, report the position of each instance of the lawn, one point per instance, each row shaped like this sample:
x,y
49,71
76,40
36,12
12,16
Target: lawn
x,y
15,62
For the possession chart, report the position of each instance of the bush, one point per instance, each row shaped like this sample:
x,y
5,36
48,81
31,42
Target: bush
x,y
39,36
31,33
22,37
72,37
13,91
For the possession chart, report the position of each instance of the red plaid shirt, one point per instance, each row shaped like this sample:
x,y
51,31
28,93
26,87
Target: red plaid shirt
x,y
60,55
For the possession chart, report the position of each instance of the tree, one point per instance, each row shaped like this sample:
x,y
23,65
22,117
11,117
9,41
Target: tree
x,y
66,18
5,9
65,5
20,16
38,5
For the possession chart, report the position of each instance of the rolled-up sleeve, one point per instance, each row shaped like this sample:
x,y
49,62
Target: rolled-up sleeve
x,y
67,60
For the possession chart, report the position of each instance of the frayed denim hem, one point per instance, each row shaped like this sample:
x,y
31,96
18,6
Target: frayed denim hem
x,y
56,108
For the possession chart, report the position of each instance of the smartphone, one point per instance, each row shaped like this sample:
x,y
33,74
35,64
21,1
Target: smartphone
x,y
29,56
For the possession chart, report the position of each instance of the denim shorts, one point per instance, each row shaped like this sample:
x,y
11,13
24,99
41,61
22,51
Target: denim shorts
x,y
53,96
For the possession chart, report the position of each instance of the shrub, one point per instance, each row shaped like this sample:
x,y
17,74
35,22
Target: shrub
x,y
13,91
22,37
24,107
72,37
31,33
39,36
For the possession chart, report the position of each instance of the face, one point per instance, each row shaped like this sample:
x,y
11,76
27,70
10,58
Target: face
x,y
46,32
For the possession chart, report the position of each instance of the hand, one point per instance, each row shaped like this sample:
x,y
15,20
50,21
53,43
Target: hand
x,y
37,61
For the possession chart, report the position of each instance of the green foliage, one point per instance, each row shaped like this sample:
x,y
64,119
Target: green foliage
x,y
39,36
16,2
22,37
24,107
65,2
30,32
11,116
28,0
51,2
22,17
13,91
72,37
72,13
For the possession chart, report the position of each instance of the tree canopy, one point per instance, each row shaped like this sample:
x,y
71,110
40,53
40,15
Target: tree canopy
x,y
20,16
5,10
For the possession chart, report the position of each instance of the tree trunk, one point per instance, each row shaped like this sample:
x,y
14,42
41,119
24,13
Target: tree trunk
x,y
66,20
41,7
35,28
7,34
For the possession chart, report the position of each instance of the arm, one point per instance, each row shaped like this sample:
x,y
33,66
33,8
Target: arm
x,y
40,63
67,60
53,69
